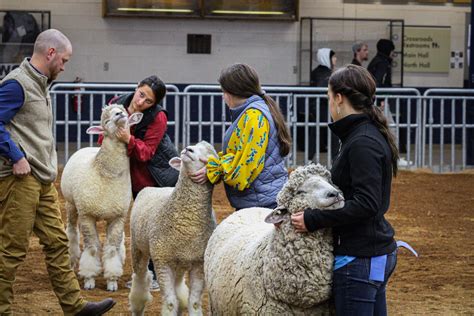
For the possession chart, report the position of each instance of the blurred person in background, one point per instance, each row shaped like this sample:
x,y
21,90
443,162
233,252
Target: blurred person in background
x,y
327,63
361,53
380,66
319,78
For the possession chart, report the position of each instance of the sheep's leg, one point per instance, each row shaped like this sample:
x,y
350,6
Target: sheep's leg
x,y
182,290
141,282
196,284
111,257
122,252
89,265
73,236
166,278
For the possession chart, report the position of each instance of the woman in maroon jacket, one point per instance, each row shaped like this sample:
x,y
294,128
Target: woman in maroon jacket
x,y
149,147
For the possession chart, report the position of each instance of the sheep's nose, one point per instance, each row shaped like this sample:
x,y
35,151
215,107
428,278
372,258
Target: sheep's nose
x,y
332,194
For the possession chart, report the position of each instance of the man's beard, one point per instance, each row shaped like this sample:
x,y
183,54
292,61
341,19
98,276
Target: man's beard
x,y
52,77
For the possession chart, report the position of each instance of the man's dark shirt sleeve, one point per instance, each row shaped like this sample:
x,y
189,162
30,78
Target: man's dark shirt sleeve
x,y
380,72
11,100
365,158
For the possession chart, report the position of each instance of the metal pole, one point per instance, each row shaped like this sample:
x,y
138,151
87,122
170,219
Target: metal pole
x,y
471,50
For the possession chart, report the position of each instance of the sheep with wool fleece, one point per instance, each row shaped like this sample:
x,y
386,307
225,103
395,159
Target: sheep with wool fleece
x,y
96,185
253,268
172,226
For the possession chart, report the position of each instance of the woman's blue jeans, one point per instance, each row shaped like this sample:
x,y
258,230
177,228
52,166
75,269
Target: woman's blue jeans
x,y
355,294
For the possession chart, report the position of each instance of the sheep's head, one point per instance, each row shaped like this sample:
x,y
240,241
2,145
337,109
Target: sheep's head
x,y
307,187
192,156
113,117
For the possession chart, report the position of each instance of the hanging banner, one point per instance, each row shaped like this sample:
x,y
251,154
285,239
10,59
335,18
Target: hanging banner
x,y
426,49
6,68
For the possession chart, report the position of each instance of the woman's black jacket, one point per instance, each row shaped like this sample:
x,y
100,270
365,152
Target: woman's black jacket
x,y
363,171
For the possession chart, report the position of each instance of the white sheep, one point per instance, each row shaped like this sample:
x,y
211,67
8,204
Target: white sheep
x,y
252,268
172,226
96,186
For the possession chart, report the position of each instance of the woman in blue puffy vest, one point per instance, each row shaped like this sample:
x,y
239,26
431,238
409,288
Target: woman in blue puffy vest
x,y
251,164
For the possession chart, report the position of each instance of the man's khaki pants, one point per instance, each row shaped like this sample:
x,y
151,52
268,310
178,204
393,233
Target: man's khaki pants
x,y
27,206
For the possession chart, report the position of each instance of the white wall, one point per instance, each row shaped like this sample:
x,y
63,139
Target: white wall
x,y
135,48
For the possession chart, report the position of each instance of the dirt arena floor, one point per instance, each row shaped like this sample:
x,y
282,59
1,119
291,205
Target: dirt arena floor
x,y
433,212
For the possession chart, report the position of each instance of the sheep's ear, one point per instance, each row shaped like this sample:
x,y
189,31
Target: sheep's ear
x,y
277,216
175,163
95,130
135,118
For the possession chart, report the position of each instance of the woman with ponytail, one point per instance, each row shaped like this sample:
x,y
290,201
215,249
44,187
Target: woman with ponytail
x,y
364,245
251,164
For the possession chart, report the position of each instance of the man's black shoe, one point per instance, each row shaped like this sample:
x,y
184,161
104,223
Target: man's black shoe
x,y
97,309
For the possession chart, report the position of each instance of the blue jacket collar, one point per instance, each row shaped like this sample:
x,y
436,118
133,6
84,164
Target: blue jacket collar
x,y
235,112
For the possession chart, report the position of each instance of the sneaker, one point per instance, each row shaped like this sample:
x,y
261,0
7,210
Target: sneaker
x,y
155,286
402,162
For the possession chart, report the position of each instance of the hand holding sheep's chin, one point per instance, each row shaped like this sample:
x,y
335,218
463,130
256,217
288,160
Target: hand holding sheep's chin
x,y
199,177
123,134
297,220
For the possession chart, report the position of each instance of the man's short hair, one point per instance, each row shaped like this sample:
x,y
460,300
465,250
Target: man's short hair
x,y
51,38
358,46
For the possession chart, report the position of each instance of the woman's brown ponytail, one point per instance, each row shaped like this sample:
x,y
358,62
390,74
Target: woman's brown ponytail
x,y
284,136
378,117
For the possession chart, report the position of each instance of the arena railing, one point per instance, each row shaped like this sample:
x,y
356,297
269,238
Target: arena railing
x,y
205,115
307,114
403,110
76,106
448,120
428,128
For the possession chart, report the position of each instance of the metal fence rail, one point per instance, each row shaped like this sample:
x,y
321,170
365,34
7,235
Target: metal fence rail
x,y
202,103
403,110
82,105
429,128
452,126
306,111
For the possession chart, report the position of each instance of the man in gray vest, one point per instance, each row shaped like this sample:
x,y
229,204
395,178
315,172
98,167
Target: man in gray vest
x,y
28,168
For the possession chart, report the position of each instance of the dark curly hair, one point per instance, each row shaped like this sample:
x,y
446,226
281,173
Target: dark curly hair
x,y
156,85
